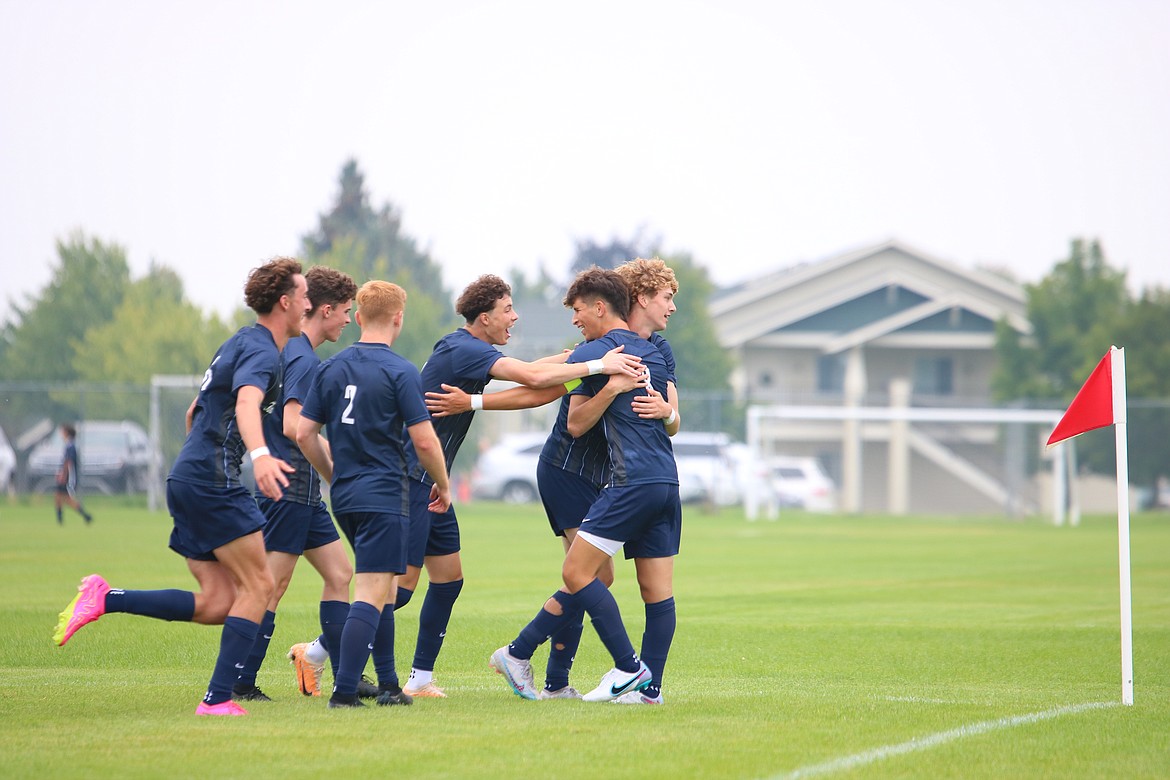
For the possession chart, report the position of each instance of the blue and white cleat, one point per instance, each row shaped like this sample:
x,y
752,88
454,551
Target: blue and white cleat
x,y
516,671
617,683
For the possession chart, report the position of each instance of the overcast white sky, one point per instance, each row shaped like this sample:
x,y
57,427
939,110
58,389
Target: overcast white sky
x,y
754,135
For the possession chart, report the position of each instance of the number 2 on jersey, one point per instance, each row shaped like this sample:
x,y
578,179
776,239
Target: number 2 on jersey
x,y
350,393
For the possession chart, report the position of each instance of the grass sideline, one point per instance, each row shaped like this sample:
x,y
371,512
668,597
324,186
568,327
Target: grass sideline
x,y
813,646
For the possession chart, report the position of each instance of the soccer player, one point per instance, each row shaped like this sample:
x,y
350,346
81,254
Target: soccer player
x,y
299,524
67,477
638,508
468,359
366,395
216,521
572,471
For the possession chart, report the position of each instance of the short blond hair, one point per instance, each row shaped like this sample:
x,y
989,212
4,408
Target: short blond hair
x,y
379,301
647,277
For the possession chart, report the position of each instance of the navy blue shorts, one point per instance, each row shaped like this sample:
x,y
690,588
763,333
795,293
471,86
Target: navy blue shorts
x,y
292,527
431,533
566,496
207,518
648,518
379,540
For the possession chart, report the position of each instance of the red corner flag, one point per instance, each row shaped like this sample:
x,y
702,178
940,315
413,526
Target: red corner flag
x,y
1094,406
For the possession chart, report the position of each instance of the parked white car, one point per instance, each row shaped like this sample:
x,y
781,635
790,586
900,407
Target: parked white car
x,y
507,471
803,483
706,472
7,463
777,482
706,468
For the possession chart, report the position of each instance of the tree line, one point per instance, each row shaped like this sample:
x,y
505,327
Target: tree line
x,y
93,323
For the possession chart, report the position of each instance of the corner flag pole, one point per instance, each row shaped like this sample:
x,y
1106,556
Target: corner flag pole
x,y
1101,401
1119,428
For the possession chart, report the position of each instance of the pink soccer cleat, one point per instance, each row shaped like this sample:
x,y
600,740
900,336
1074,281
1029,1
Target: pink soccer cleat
x,y
87,606
228,707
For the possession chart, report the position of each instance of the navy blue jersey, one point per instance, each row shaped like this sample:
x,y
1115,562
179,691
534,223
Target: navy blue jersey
x,y
667,355
366,395
300,364
639,450
69,460
461,360
213,450
588,455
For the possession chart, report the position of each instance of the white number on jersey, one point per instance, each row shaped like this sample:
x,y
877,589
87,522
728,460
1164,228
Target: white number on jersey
x,y
350,393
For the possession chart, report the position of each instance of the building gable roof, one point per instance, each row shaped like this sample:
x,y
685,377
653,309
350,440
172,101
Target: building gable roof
x,y
859,296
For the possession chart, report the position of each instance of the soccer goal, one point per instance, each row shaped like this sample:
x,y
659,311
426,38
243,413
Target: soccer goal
x,y
897,450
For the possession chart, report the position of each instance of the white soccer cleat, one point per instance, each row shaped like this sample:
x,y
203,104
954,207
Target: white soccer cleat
x,y
516,671
637,697
617,683
568,692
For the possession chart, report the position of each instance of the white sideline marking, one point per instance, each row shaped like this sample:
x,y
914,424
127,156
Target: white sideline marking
x,y
933,740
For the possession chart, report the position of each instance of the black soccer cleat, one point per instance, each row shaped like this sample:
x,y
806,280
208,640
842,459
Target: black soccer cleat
x,y
390,696
248,693
367,689
339,702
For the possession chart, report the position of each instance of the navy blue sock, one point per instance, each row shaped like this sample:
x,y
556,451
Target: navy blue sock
x,y
541,627
160,604
333,615
384,650
259,650
356,638
563,649
403,599
432,622
660,621
596,599
234,645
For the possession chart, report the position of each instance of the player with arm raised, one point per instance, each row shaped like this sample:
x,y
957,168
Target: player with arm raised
x,y
468,359
639,508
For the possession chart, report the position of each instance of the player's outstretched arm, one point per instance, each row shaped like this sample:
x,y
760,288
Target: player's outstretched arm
x,y
552,374
455,401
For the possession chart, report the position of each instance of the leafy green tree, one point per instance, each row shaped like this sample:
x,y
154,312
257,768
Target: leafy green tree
x,y
1074,311
369,244
1147,367
42,340
154,330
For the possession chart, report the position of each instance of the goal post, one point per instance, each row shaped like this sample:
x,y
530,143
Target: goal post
x,y
762,421
170,395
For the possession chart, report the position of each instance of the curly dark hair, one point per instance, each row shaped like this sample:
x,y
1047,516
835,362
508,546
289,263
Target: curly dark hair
x,y
270,281
594,284
329,286
481,295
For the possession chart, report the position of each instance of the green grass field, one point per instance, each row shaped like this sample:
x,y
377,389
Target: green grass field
x,y
812,646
